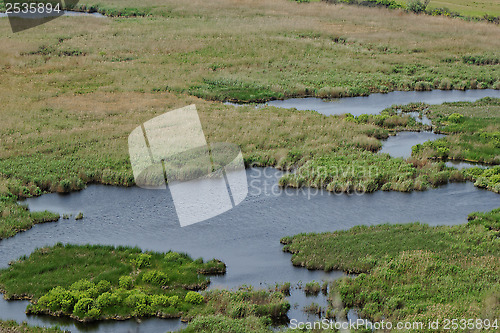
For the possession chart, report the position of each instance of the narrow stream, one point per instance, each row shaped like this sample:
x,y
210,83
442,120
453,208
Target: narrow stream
x,y
375,103
247,237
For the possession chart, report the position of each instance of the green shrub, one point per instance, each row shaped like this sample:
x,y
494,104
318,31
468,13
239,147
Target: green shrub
x,y
160,300
456,118
106,299
194,298
174,301
417,6
155,277
83,306
142,260
103,286
125,282
82,285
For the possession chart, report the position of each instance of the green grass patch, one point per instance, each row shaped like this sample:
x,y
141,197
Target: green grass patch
x,y
365,172
411,272
11,326
103,282
473,132
15,218
229,90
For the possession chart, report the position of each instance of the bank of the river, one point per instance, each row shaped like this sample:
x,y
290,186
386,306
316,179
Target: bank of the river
x,y
89,96
245,238
411,272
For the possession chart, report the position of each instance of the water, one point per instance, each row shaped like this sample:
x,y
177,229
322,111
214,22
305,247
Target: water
x,y
246,238
375,103
465,165
53,14
400,145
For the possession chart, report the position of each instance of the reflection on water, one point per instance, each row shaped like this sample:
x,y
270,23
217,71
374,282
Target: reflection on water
x,y
465,165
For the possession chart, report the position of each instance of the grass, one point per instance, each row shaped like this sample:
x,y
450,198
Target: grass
x,y
74,88
411,272
450,8
365,172
15,218
102,282
13,327
488,179
472,128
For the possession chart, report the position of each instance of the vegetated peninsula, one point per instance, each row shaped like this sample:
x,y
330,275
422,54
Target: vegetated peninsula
x,y
411,272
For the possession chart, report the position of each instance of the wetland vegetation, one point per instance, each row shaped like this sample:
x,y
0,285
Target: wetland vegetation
x,y
74,89
102,282
411,272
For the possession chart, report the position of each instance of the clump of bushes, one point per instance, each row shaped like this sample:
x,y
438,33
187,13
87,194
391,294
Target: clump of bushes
x,y
194,298
155,277
113,286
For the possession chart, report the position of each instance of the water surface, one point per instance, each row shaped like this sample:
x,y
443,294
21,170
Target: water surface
x,y
245,238
400,144
375,103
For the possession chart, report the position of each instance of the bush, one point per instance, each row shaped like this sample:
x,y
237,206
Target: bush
x,y
107,299
174,300
160,300
155,277
83,306
194,298
103,286
417,6
82,285
456,118
125,282
142,260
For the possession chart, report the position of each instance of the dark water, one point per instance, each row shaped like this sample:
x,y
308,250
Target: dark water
x,y
246,238
375,103
400,145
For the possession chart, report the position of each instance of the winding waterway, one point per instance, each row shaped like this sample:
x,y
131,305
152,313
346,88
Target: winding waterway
x,y
247,237
375,103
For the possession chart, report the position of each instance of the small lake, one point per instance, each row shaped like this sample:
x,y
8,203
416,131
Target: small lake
x,y
375,103
246,238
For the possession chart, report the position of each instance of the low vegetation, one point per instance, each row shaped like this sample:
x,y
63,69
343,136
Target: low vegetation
x,y
472,128
365,172
13,327
487,10
72,129
90,283
488,179
15,218
411,272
